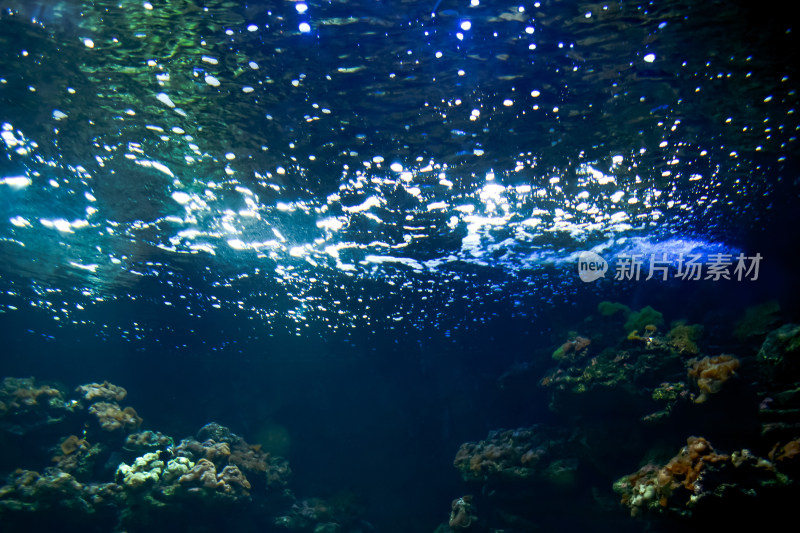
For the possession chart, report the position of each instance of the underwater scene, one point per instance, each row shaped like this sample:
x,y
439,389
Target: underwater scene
x,y
399,266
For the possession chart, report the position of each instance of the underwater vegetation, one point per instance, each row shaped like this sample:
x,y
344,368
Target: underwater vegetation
x,y
87,465
650,430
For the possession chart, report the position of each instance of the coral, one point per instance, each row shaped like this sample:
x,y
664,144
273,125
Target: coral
x,y
175,468
147,441
639,320
23,392
203,474
696,473
787,452
112,418
683,337
203,480
321,516
576,347
669,392
72,444
145,471
249,458
182,476
216,432
79,458
26,407
462,513
161,483
509,454
216,452
606,308
102,391
273,470
709,374
33,492
649,339
234,481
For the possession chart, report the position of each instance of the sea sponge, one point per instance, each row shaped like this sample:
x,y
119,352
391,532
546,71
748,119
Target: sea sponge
x,y
709,373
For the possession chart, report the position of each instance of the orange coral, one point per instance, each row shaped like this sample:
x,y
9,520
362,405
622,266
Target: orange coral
x,y
709,373
790,450
686,468
652,487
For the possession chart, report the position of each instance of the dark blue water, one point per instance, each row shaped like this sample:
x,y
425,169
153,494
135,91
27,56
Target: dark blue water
x,y
363,234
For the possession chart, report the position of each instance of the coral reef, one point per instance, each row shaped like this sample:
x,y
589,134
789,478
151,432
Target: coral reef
x,y
106,477
519,454
205,482
26,407
709,374
262,468
28,491
622,376
625,399
696,474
